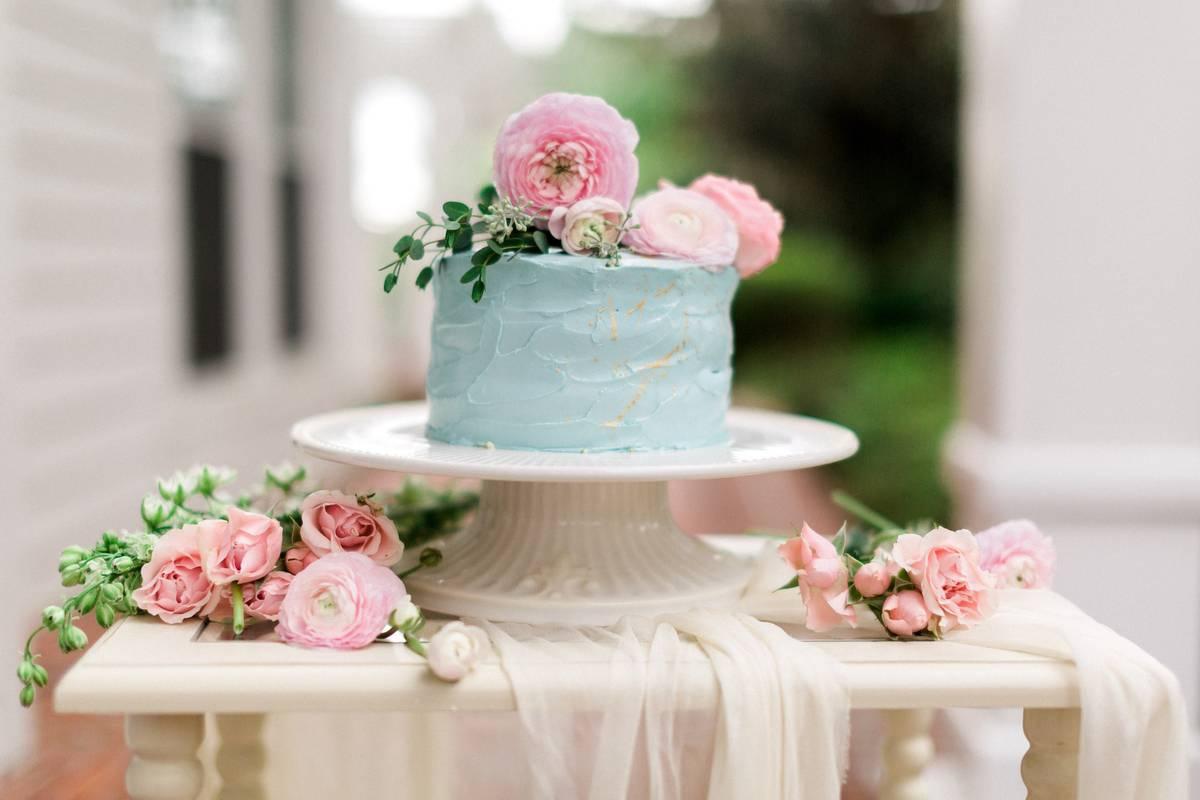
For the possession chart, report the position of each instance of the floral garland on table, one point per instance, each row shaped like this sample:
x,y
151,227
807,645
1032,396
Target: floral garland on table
x,y
565,174
319,564
919,581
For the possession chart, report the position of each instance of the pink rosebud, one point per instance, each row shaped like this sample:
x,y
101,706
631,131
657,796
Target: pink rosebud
x,y
587,225
683,224
823,579
241,550
905,614
945,567
872,579
342,601
1018,554
333,522
759,225
563,148
174,584
297,558
264,599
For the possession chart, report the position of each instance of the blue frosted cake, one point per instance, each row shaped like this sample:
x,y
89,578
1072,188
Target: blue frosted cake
x,y
570,316
567,353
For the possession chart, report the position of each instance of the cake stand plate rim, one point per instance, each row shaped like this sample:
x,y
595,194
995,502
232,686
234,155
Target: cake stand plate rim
x,y
391,437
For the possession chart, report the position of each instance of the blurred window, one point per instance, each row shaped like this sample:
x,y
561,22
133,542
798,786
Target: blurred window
x,y
206,183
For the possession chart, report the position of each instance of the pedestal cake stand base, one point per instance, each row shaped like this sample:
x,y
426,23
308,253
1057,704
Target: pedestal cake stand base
x,y
578,538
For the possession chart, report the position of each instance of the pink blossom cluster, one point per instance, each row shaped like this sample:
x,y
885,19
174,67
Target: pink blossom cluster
x,y
919,584
334,588
570,160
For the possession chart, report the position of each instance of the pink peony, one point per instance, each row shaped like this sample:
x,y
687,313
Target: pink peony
x,y
343,601
333,522
759,225
586,225
263,601
904,613
297,558
1017,554
563,148
945,566
823,579
682,224
872,579
241,550
174,584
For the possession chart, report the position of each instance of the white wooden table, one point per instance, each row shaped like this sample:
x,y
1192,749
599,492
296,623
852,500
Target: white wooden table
x,y
166,678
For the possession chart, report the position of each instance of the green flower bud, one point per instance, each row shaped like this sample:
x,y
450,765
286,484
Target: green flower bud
x,y
25,671
431,557
71,555
76,638
105,616
72,576
122,563
27,695
112,592
87,600
40,676
52,617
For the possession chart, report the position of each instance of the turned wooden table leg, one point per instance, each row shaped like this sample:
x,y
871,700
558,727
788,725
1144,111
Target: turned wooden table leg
x,y
907,750
241,757
1050,767
164,765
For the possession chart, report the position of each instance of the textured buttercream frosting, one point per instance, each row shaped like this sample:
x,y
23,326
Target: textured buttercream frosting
x,y
566,353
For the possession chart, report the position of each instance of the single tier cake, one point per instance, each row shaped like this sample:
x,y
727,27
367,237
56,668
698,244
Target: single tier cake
x,y
566,353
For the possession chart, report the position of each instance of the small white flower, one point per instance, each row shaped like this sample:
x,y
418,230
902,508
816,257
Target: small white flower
x,y
406,616
456,649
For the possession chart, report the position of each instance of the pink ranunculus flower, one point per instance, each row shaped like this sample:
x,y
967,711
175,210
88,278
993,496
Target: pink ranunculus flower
x,y
333,522
1018,554
759,225
241,550
563,148
945,566
174,584
264,599
682,224
905,614
297,558
586,225
823,579
872,579
343,601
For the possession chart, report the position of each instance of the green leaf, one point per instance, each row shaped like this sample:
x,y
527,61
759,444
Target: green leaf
x,y
495,247
462,242
402,245
389,282
839,541
540,240
451,225
455,210
792,584
479,226
471,274
424,277
477,291
425,217
417,251
487,196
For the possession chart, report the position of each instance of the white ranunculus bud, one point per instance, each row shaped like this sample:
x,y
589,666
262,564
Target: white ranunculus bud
x,y
456,649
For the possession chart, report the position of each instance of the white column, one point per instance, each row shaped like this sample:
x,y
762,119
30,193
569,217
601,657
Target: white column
x,y
1080,355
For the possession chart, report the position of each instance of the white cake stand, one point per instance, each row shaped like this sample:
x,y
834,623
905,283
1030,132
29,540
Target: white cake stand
x,y
582,538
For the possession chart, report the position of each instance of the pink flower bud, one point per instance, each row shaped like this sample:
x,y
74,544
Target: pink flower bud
x,y
872,579
298,558
905,614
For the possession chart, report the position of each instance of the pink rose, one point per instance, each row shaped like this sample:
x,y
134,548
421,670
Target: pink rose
x,y
945,566
333,522
682,224
563,148
263,601
297,558
823,579
872,579
588,224
1017,554
174,584
905,614
759,225
241,550
343,601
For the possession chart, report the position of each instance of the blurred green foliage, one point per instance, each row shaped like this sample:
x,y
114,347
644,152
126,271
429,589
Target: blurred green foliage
x,y
844,115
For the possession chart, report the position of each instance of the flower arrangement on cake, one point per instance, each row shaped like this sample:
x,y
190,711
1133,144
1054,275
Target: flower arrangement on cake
x,y
322,565
920,580
565,175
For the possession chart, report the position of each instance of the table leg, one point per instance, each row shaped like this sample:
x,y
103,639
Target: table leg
x,y
1050,767
241,757
907,750
164,765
